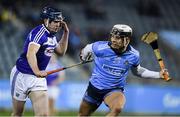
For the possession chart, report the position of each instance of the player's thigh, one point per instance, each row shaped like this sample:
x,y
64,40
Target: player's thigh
x,y
18,107
87,108
39,101
115,99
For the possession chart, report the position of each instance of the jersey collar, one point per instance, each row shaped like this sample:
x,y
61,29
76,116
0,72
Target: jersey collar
x,y
117,52
46,29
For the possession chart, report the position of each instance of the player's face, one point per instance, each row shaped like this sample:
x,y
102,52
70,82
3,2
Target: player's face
x,y
118,42
54,26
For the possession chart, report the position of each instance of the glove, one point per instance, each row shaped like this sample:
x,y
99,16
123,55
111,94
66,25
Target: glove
x,y
89,57
86,56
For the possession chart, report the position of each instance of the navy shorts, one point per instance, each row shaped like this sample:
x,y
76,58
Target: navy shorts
x,y
96,96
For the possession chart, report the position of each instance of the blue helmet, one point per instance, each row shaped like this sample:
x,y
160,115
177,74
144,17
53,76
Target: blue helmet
x,y
51,13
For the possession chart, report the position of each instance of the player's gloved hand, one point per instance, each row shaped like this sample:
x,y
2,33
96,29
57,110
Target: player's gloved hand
x,y
89,57
85,56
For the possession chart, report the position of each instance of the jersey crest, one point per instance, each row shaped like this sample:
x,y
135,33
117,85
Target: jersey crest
x,y
50,41
49,51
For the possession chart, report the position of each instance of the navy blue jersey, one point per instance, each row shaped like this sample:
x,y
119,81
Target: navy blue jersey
x,y
110,70
47,42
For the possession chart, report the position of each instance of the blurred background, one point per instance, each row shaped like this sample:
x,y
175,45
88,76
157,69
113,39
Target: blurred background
x,y
90,21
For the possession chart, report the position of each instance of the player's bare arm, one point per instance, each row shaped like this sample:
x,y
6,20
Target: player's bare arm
x,y
32,60
63,43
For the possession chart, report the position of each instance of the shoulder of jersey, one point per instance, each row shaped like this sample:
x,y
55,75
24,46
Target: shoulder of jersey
x,y
101,42
39,29
134,51
101,45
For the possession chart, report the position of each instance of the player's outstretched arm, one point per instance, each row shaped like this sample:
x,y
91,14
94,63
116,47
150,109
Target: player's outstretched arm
x,y
145,73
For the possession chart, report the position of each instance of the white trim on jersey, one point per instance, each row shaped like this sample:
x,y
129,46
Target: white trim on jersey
x,y
45,28
145,73
39,35
34,43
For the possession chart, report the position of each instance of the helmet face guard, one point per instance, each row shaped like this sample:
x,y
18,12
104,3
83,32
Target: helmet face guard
x,y
52,14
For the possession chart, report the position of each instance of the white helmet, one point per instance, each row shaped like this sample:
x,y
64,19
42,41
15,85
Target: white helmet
x,y
121,30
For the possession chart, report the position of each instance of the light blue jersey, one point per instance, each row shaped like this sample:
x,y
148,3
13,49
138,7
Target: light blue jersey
x,y
110,70
40,36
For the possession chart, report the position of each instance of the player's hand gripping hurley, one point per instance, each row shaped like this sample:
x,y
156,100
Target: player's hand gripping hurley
x,y
151,39
63,68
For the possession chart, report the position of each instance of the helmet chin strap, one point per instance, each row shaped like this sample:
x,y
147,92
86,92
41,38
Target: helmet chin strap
x,y
125,44
47,23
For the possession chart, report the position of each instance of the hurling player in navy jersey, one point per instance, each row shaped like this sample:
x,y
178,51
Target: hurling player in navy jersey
x,y
112,61
27,76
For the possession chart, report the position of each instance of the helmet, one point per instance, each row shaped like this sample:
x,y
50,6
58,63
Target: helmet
x,y
51,13
121,30
124,32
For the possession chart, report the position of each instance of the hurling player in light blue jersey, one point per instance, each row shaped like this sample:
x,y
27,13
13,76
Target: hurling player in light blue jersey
x,y
112,61
27,76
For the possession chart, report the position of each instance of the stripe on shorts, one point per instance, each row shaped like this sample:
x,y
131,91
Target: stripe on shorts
x,y
13,82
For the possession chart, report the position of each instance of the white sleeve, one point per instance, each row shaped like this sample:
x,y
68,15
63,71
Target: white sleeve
x,y
145,73
86,52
